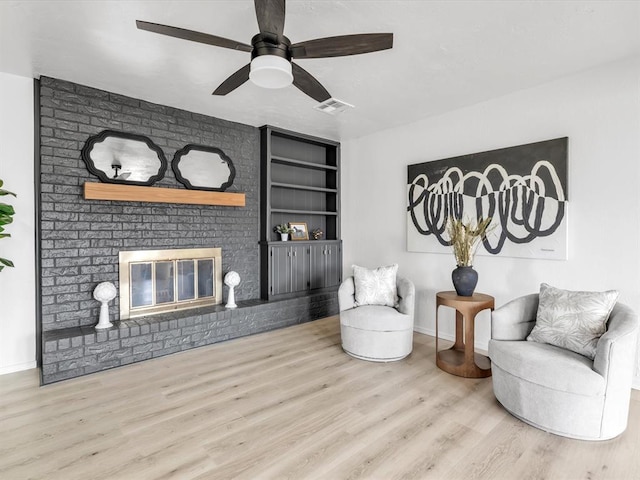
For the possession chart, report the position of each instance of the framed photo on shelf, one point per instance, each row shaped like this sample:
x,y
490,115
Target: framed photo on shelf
x,y
300,231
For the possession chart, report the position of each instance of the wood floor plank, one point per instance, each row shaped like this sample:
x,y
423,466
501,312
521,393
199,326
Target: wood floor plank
x,y
287,404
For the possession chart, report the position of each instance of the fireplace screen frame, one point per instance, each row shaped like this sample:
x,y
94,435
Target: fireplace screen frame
x,y
130,257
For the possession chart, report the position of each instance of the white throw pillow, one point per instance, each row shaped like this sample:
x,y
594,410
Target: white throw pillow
x,y
375,287
572,320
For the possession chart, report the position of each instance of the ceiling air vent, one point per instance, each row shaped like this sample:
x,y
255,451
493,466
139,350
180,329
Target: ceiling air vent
x,y
333,106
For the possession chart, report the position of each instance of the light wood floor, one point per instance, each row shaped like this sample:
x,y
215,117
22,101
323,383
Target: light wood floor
x,y
286,404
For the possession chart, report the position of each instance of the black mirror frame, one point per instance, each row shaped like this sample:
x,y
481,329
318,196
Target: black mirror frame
x,y
184,181
91,141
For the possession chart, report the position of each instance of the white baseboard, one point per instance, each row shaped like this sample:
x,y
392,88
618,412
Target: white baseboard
x,y
636,383
17,367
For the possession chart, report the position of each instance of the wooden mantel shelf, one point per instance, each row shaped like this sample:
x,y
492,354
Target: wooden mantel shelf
x,y
135,193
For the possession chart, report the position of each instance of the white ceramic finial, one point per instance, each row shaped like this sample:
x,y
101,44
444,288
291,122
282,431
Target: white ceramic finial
x,y
104,293
231,280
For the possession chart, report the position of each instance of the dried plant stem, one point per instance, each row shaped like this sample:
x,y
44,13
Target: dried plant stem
x,y
464,238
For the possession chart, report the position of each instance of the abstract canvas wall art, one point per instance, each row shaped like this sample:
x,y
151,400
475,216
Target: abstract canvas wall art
x,y
523,189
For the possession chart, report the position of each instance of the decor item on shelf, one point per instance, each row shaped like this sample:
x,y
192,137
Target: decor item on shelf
x,y
199,167
272,52
317,233
284,230
300,231
104,293
6,217
231,280
464,238
121,157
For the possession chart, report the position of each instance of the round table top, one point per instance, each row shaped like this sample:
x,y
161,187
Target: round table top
x,y
475,298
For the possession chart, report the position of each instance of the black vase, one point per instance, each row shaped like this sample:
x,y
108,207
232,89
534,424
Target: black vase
x,y
465,280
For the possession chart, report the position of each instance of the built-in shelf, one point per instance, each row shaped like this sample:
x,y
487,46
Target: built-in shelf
x,y
303,187
135,193
300,163
300,183
301,212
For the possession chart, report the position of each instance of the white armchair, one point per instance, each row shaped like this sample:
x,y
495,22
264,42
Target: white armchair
x,y
374,332
557,390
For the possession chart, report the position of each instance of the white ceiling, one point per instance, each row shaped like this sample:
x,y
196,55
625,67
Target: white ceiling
x,y
446,54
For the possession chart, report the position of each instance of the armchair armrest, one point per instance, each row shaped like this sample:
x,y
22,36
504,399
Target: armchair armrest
x,y
516,319
616,350
407,296
346,294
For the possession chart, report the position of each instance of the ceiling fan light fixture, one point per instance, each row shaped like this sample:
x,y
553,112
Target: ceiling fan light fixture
x,y
271,71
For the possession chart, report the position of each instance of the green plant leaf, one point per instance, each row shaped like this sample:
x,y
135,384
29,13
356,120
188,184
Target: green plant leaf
x,y
5,262
5,192
6,217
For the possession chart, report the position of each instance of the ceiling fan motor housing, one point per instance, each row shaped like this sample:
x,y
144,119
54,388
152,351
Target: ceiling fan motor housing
x,y
270,44
271,61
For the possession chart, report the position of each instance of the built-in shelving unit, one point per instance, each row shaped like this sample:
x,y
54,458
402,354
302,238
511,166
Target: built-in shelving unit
x,y
300,183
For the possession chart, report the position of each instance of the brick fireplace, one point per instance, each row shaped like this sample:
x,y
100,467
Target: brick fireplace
x,y
81,239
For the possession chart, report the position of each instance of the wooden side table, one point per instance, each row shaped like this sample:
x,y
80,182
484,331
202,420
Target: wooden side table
x,y
461,359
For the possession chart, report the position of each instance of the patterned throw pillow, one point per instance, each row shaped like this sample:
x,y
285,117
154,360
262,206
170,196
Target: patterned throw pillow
x,y
572,320
375,287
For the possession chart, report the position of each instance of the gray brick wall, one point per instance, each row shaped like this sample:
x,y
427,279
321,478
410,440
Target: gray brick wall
x,y
81,239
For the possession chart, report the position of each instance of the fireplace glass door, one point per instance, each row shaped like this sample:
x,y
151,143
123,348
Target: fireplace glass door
x,y
156,282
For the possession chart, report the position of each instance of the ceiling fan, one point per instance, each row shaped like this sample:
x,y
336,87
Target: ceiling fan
x,y
272,52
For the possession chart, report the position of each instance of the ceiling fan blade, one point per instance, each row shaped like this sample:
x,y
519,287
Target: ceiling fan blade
x,y
308,84
234,81
342,45
270,15
193,36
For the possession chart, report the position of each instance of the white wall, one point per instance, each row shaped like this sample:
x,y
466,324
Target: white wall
x,y
17,285
599,110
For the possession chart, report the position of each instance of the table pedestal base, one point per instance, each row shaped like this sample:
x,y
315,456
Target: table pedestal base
x,y
453,361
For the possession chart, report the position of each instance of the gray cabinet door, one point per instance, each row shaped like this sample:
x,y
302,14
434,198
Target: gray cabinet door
x,y
317,260
325,265
280,269
333,266
299,268
289,269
